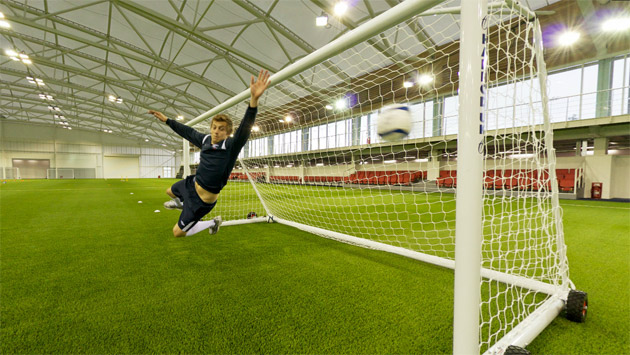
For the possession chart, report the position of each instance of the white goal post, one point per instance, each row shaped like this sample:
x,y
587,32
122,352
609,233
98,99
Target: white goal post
x,y
472,188
10,173
60,173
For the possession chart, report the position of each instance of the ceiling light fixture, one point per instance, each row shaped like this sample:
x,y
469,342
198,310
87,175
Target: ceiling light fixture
x,y
340,104
4,23
407,84
180,117
14,55
35,81
568,38
255,128
425,79
329,107
288,118
321,20
115,99
340,8
616,24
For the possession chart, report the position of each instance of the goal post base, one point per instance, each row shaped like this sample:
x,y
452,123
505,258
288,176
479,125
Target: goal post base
x,y
235,222
494,275
529,328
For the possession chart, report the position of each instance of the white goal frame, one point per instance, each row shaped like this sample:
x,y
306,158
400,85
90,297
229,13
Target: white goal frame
x,y
10,173
60,173
467,265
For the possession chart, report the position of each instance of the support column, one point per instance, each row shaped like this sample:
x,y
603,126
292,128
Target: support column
x,y
356,130
433,166
583,148
438,105
305,139
578,148
604,80
601,146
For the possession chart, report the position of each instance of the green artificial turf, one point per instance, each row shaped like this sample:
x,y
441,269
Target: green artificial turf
x,y
85,268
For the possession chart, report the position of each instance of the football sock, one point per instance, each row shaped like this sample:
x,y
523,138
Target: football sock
x,y
201,225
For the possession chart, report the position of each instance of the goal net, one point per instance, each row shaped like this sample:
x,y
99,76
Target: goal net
x,y
10,173
315,162
60,173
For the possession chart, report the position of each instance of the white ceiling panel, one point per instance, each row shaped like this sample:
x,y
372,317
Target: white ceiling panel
x,y
184,55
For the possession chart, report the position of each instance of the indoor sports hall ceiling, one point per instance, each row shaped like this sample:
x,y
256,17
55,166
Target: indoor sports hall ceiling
x,y
101,64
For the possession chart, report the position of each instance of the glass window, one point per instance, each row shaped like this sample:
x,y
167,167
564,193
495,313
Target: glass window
x,y
298,141
417,118
278,143
620,87
589,94
314,138
331,135
373,136
341,133
451,108
167,172
428,119
322,136
564,91
364,129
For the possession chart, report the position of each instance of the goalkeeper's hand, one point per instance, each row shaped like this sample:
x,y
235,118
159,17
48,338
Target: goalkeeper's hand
x,y
159,115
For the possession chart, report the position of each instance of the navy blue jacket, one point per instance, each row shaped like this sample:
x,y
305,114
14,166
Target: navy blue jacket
x,y
217,160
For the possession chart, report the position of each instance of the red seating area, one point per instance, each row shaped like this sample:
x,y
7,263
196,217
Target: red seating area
x,y
399,177
532,180
323,179
243,176
509,179
566,179
447,178
359,178
285,179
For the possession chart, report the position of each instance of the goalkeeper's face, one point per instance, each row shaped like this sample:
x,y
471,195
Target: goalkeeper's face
x,y
218,131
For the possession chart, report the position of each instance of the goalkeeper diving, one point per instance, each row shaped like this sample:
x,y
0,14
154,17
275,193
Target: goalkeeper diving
x,y
196,195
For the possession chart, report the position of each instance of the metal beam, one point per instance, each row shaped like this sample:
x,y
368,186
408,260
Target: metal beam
x,y
140,55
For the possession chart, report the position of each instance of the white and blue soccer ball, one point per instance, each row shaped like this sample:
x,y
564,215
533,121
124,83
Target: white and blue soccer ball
x,y
394,123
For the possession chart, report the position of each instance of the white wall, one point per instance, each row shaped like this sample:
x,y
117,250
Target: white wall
x,y
80,149
115,167
598,169
620,182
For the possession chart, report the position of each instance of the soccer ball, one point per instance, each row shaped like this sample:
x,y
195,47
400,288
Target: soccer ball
x,y
251,215
394,123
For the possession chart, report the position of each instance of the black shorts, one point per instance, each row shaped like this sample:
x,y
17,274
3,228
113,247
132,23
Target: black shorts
x,y
194,208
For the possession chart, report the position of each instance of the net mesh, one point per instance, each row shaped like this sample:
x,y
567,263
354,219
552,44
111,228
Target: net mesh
x,y
60,173
314,157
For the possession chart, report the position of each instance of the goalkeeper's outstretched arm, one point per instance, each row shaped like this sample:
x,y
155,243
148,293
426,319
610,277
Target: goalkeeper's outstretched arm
x,y
257,88
188,133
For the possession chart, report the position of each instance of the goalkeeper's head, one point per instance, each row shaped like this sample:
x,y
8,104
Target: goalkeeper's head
x,y
220,128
